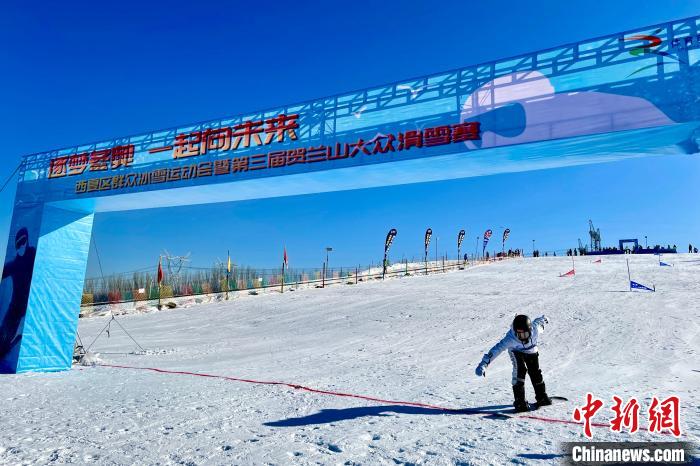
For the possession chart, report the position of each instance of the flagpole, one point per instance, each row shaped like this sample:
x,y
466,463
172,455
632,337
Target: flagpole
x,y
228,270
158,280
284,264
384,263
629,276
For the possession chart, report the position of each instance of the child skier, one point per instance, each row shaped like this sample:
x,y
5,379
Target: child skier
x,y
521,343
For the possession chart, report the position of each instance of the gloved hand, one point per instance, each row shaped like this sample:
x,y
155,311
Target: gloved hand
x,y
544,319
481,370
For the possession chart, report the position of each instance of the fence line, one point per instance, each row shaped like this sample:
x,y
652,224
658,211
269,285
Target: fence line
x,y
117,289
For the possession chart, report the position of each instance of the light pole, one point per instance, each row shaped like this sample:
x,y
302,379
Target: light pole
x,y
645,242
325,267
437,238
533,248
476,249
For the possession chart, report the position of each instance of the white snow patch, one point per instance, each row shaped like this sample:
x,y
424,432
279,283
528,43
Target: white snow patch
x,y
415,338
91,359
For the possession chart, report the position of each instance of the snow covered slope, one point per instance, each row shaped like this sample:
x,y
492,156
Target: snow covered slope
x,y
411,338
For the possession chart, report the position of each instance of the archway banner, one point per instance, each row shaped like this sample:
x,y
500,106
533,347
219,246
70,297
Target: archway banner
x,y
624,95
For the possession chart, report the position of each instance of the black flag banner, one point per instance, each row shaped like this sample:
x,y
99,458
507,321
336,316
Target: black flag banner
x,y
506,232
387,244
428,234
389,239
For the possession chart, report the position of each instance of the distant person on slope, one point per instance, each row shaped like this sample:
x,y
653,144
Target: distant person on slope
x,y
521,343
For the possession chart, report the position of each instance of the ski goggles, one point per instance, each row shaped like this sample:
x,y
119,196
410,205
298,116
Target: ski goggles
x,y
522,334
21,241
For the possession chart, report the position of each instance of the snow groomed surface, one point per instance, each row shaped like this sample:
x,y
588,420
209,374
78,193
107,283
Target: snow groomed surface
x,y
415,339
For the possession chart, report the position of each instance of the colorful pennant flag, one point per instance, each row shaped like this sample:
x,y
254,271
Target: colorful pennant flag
x,y
506,232
487,236
160,272
228,266
460,238
638,286
286,264
570,273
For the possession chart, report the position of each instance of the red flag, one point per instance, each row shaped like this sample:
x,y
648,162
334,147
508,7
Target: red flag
x,y
285,256
570,273
160,272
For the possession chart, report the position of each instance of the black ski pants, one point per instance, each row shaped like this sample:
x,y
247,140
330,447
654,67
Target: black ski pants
x,y
523,364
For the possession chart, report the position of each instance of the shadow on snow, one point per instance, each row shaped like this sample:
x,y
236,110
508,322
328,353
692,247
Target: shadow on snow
x,y
327,416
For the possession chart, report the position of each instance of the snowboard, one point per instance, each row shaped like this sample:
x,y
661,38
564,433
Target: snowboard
x,y
510,412
534,406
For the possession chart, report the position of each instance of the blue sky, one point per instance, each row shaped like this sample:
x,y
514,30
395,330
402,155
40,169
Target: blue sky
x,y
80,72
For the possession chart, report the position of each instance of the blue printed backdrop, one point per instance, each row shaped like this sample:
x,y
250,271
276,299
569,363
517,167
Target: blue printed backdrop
x,y
16,279
625,95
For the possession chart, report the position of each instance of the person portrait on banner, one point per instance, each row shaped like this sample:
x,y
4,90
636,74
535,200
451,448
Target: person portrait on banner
x,y
16,280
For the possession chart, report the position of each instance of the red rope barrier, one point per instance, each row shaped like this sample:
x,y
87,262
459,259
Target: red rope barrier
x,y
291,385
349,395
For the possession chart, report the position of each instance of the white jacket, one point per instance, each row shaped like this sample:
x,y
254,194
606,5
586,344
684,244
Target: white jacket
x,y
511,342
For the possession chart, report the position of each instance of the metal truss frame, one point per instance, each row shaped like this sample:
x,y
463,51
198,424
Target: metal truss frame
x,y
318,118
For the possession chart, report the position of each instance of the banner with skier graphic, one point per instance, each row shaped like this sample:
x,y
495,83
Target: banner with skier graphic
x,y
389,239
487,237
387,244
506,233
428,234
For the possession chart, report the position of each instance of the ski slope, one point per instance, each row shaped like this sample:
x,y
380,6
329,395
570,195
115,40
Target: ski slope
x,y
414,339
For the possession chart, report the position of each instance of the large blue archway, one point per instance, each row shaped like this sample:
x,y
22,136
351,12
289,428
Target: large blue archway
x,y
630,94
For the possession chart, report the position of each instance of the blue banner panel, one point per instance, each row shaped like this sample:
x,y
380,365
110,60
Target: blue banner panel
x,y
57,285
16,280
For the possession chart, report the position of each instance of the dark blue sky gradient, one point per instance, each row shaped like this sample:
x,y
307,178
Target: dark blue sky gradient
x,y
77,72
